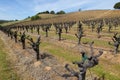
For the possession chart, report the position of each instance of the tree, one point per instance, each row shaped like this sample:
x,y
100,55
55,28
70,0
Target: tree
x,y
16,20
61,12
117,5
28,17
79,10
52,12
36,17
46,12
32,18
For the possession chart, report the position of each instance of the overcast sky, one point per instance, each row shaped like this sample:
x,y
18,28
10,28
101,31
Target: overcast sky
x,y
20,9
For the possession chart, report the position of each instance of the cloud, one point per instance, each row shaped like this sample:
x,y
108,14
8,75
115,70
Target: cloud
x,y
59,5
5,8
20,9
3,16
98,4
2,9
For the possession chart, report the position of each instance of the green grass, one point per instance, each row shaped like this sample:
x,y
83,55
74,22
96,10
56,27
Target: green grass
x,y
69,56
5,68
59,51
69,37
98,42
4,73
99,70
43,33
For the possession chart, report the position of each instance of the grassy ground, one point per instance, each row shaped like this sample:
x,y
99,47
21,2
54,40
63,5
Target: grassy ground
x,y
6,73
105,67
59,51
109,70
84,39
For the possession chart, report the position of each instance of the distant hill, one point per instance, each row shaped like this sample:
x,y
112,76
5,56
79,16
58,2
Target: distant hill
x,y
4,21
44,16
74,16
47,16
88,14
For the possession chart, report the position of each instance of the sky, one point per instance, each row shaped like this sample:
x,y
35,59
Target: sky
x,y
21,9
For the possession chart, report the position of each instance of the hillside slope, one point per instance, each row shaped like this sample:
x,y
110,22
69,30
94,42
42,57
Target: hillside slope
x,y
75,16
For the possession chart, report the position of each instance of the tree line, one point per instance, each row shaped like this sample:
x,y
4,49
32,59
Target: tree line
x,y
52,12
36,17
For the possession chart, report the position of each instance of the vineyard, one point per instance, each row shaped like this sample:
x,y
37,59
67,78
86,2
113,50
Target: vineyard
x,y
45,49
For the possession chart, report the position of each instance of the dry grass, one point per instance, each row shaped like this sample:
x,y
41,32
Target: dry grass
x,y
47,16
75,16
6,71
